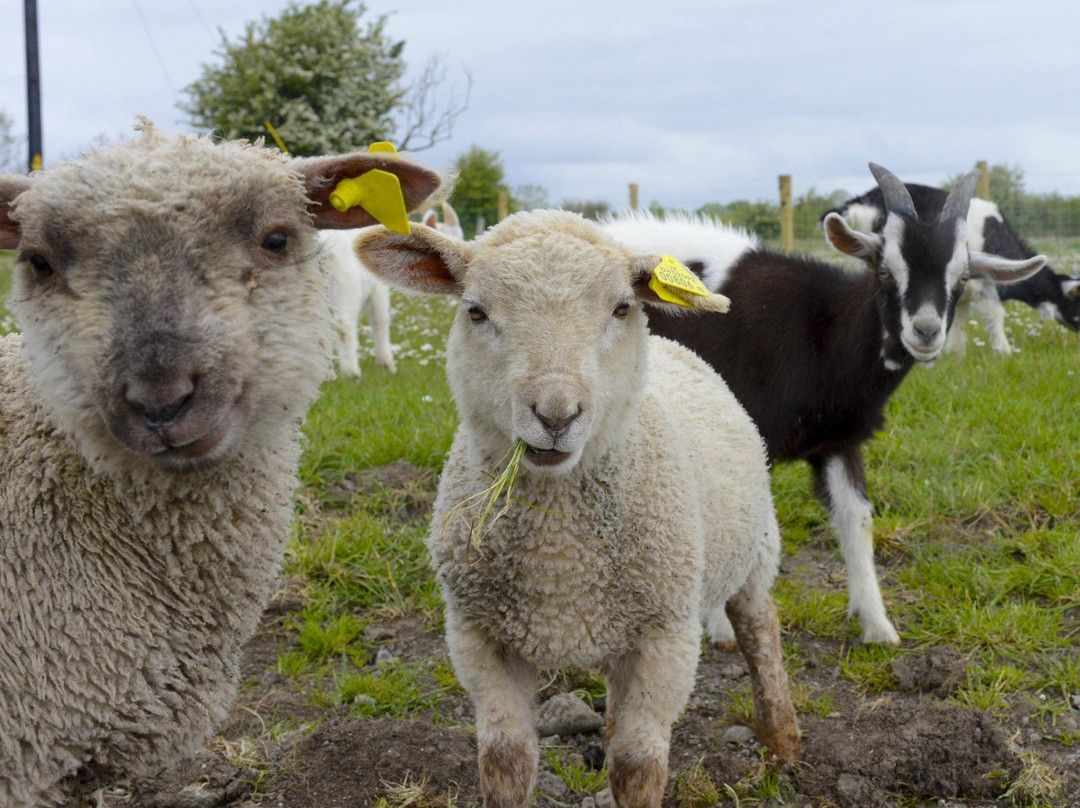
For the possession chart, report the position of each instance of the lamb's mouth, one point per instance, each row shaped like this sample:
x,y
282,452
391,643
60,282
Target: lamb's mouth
x,y
546,457
209,446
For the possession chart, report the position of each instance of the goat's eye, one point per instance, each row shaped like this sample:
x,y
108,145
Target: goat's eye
x,y
477,314
275,241
884,274
621,311
41,266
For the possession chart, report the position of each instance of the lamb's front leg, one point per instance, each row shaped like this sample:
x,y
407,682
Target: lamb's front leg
x,y
841,483
502,687
647,689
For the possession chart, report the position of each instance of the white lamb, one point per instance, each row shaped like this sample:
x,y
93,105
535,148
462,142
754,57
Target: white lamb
x,y
643,496
175,331
355,291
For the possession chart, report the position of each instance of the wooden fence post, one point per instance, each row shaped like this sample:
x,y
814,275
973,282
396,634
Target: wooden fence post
x,y
633,196
504,204
982,190
787,215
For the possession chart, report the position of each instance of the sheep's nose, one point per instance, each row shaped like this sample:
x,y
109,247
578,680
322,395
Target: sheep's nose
x,y
160,403
927,330
556,426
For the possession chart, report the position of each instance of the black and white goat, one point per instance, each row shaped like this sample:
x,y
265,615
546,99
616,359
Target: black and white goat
x,y
1055,296
814,351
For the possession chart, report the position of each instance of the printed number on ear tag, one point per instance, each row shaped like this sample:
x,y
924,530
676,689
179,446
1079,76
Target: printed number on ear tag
x,y
674,283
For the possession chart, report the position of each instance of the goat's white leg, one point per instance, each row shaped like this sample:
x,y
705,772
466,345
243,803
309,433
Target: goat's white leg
x,y
377,308
502,687
842,485
757,629
647,689
956,339
987,305
718,628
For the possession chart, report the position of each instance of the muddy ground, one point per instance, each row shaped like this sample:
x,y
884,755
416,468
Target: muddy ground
x,y
901,748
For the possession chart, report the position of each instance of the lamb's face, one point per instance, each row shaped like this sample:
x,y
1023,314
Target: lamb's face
x,y
548,346
170,296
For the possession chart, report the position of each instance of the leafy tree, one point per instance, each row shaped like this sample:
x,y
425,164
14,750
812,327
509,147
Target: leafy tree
x,y
11,159
589,208
480,178
326,82
531,197
762,218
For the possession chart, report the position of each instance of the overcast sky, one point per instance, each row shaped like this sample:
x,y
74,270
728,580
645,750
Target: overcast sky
x,y
695,101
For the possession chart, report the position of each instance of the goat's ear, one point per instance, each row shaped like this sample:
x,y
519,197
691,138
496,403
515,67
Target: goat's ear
x,y
1004,270
430,218
1070,287
641,272
321,176
849,241
424,261
11,185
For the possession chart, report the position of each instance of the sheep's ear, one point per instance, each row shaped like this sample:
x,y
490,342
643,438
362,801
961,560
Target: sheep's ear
x,y
424,261
1004,270
849,241
11,185
642,269
321,176
430,218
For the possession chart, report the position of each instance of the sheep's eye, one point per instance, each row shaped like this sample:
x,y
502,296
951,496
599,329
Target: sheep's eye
x,y
41,266
477,314
884,274
275,241
621,311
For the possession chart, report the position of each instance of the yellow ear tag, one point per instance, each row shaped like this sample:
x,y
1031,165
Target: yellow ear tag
x,y
379,193
674,283
382,145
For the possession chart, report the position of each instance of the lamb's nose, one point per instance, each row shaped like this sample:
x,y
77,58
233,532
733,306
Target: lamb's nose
x,y
556,426
160,403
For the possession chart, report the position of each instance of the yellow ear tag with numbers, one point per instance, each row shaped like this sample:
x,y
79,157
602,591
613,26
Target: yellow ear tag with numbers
x,y
674,283
376,191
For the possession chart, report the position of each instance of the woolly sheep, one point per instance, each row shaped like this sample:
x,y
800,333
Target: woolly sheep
x,y
647,492
175,332
355,291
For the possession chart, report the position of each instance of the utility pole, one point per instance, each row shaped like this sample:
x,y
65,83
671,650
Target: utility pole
x,y
33,85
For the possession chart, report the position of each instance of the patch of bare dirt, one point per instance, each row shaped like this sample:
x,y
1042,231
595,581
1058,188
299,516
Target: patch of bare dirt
x,y
872,751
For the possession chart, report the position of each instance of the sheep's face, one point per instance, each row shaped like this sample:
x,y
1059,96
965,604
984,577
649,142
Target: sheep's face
x,y
170,299
549,342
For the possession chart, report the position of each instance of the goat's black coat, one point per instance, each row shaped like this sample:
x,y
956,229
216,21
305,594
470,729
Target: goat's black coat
x,y
999,238
801,349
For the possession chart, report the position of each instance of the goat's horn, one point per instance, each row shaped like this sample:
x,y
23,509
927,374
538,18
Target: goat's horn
x,y
897,198
959,200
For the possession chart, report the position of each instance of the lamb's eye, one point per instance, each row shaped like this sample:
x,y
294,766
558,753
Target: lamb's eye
x,y
477,314
41,266
275,241
621,311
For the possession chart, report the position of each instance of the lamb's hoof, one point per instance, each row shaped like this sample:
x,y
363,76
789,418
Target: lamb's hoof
x,y
725,645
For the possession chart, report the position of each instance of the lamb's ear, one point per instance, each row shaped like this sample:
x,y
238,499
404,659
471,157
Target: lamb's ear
x,y
1004,270
425,261
849,241
430,219
11,185
321,176
1070,287
642,268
